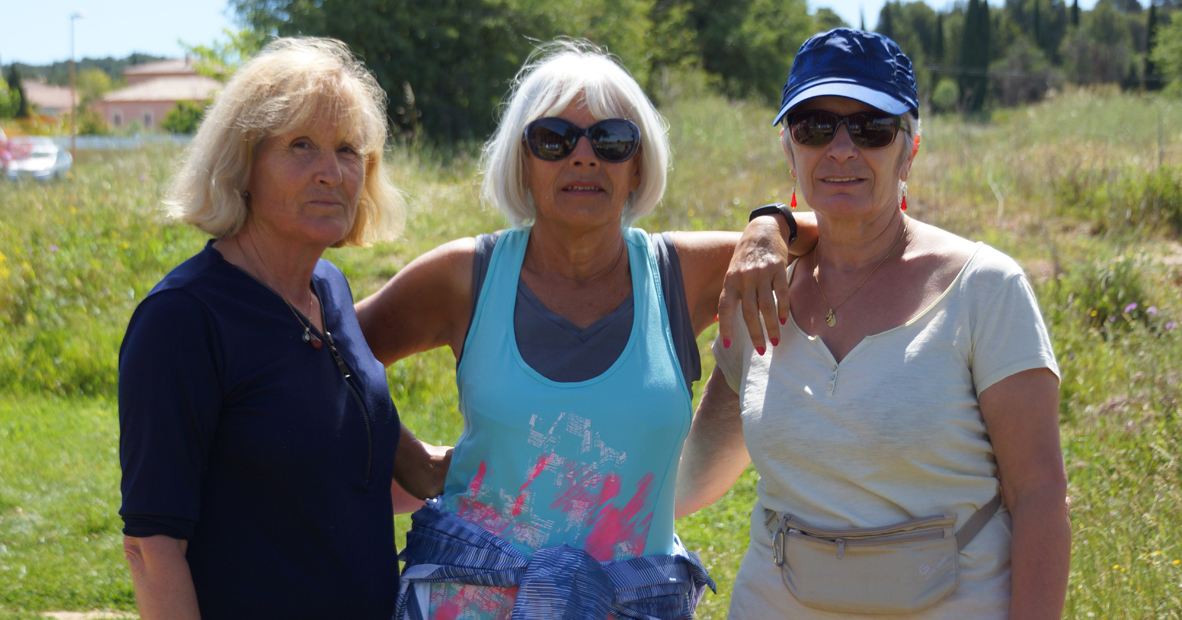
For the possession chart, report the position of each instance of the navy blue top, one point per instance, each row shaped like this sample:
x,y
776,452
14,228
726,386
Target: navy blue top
x,y
243,439
561,351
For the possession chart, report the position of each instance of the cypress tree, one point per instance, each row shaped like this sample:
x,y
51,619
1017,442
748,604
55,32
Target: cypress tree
x,y
14,85
1038,28
886,23
974,55
1152,82
1075,13
938,47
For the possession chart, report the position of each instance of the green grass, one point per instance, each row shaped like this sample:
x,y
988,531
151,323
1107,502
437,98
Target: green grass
x,y
1072,188
61,546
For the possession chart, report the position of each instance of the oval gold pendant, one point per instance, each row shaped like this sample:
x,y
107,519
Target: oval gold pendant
x,y
830,318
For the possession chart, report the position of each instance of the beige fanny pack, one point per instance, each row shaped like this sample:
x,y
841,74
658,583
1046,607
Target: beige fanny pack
x,y
892,569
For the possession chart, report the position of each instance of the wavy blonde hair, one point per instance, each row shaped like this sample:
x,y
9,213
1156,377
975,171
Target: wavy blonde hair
x,y
557,74
291,81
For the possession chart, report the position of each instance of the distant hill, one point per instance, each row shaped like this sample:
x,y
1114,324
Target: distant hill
x,y
58,73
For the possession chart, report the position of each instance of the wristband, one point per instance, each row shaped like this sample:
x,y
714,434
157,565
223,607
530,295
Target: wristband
x,y
780,209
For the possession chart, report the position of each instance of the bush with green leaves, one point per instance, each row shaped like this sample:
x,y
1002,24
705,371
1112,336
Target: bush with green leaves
x,y
1123,199
946,96
185,118
1108,295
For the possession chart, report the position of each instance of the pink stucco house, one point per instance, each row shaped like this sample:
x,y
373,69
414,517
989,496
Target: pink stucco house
x,y
50,99
152,90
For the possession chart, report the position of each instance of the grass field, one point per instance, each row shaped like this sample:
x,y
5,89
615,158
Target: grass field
x,y
1085,190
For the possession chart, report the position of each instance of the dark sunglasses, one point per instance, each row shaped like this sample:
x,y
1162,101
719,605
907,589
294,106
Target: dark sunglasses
x,y
613,140
868,130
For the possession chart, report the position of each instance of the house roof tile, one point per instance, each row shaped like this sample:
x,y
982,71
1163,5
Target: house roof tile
x,y
173,65
190,88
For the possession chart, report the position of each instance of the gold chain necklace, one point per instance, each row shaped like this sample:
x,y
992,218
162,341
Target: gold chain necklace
x,y
831,317
308,336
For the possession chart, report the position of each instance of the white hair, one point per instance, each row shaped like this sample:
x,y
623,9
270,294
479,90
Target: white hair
x,y
557,74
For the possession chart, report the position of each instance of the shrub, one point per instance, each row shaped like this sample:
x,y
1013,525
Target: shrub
x,y
946,96
1123,200
1107,295
184,118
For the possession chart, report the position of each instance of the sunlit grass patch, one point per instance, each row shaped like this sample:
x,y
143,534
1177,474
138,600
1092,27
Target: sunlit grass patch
x,y
60,534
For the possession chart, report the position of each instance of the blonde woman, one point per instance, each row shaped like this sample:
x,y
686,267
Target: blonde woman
x,y
257,434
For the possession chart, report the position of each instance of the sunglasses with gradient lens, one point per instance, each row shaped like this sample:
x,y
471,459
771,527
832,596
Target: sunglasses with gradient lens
x,y
614,140
868,130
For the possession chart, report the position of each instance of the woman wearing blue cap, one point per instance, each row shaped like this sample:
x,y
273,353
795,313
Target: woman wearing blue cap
x,y
906,427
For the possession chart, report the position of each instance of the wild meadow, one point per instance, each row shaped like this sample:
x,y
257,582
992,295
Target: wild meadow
x,y
1084,189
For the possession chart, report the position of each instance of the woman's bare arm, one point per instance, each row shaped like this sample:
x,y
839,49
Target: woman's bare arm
x,y
426,305
714,454
160,574
1021,413
420,470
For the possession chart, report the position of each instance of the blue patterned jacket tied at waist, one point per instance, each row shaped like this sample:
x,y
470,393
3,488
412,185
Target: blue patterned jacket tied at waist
x,y
559,583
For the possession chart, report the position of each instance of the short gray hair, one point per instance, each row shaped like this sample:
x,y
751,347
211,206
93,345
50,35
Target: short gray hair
x,y
555,75
283,87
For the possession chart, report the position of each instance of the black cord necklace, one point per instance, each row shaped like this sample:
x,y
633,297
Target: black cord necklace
x,y
308,336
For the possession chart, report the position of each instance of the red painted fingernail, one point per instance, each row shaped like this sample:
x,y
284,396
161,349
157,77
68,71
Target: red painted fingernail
x,y
726,343
760,350
775,342
783,321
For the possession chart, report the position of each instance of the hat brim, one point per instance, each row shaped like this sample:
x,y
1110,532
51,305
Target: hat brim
x,y
843,88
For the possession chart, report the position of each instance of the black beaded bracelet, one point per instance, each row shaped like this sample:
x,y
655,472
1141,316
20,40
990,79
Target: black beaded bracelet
x,y
780,209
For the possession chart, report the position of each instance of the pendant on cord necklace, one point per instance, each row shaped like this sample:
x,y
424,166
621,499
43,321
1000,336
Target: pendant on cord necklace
x,y
308,337
831,318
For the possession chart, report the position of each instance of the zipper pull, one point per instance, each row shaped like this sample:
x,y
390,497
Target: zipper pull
x,y
337,356
840,547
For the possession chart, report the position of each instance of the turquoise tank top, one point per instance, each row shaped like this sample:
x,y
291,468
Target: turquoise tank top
x,y
589,464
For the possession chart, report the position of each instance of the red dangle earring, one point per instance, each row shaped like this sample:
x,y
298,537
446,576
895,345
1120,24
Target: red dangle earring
x,y
793,203
903,204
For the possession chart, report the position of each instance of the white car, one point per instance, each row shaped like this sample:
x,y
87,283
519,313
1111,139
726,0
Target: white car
x,y
38,159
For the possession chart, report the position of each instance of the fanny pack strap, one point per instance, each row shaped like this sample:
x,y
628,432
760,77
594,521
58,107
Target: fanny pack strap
x,y
774,522
971,527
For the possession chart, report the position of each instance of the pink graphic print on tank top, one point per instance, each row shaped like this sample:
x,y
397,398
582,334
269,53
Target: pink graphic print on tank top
x,y
583,495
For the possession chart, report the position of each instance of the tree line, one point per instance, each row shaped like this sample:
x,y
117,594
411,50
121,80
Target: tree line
x,y
975,55
446,64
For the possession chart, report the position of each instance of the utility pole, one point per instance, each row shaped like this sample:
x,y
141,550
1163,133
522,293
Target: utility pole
x,y
73,88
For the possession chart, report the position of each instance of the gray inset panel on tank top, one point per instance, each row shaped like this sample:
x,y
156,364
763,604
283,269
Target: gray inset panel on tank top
x,y
561,351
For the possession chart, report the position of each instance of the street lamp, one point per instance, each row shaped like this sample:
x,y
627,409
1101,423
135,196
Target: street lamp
x,y
73,90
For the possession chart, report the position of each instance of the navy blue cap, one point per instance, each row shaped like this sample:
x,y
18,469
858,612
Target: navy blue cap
x,y
860,65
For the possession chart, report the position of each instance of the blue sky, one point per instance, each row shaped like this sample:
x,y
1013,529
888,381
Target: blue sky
x,y
38,31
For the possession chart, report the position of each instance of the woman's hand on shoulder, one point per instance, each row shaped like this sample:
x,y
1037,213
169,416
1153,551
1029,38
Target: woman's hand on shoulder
x,y
425,305
757,275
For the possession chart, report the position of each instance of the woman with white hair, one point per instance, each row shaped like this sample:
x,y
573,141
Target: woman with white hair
x,y
257,434
574,336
